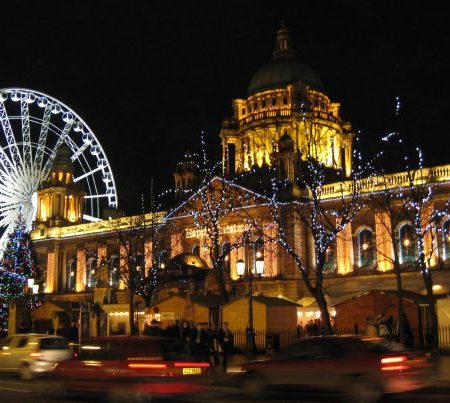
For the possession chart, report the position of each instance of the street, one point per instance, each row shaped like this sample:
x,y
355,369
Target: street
x,y
13,389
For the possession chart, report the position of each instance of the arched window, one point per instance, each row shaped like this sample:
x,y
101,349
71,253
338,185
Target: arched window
x,y
91,269
408,244
446,240
226,254
71,274
365,248
196,250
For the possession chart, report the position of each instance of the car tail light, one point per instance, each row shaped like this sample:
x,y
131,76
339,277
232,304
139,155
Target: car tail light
x,y
36,355
191,364
392,360
394,363
147,366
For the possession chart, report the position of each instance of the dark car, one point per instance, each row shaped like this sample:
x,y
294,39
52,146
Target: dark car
x,y
131,368
360,368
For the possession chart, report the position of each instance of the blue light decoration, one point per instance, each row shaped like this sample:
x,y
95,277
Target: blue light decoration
x,y
16,267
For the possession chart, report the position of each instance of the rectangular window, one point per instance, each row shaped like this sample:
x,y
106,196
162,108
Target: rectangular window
x,y
284,100
243,111
263,103
274,101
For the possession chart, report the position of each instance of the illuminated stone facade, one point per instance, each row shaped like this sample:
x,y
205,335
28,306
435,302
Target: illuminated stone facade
x,y
269,125
285,97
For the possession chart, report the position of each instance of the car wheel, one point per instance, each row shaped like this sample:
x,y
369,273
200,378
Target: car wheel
x,y
363,389
25,372
253,386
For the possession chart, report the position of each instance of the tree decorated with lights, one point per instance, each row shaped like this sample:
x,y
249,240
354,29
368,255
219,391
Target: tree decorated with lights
x,y
16,267
411,199
301,194
212,198
425,208
138,266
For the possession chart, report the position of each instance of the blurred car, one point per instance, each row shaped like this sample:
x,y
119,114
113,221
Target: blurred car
x,y
32,354
362,369
131,368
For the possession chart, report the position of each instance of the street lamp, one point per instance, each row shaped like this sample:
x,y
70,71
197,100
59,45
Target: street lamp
x,y
241,271
240,267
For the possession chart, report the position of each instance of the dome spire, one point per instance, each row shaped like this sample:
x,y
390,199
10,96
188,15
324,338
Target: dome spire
x,y
283,46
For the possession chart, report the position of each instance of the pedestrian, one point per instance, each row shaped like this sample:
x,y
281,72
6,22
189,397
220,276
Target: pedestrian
x,y
408,334
154,329
73,332
383,330
390,323
226,343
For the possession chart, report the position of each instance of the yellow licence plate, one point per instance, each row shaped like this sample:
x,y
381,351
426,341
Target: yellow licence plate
x,y
192,371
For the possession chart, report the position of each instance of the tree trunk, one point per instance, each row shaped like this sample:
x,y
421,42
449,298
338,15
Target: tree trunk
x,y
434,331
400,308
220,281
219,269
324,314
133,329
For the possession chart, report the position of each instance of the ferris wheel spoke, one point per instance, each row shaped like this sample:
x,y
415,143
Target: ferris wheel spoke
x,y
25,113
9,135
49,162
63,137
5,161
79,151
87,174
42,138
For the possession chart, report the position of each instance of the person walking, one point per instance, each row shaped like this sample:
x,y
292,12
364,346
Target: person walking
x,y
226,343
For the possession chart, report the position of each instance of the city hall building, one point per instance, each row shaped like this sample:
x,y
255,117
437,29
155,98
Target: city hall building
x,y
80,261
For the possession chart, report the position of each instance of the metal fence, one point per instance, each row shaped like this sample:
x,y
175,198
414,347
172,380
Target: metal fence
x,y
281,339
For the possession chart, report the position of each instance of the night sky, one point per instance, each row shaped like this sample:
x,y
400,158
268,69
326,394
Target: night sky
x,y
148,76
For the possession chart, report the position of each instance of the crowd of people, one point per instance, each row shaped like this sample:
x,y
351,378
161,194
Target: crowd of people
x,y
201,340
388,328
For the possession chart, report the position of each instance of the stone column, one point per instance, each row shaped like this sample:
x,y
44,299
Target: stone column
x,y
81,270
344,252
430,238
384,241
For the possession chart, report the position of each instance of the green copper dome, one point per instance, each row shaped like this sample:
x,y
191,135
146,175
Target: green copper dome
x,y
62,161
283,69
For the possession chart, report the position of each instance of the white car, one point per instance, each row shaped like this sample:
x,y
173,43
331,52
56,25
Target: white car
x,y
32,354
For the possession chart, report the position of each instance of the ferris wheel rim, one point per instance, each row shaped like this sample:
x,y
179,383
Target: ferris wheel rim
x,y
89,130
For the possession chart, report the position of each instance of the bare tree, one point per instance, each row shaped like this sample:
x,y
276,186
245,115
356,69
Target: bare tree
x,y
139,239
322,200
217,203
425,208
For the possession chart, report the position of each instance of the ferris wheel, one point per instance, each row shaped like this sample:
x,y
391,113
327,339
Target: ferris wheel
x,y
33,125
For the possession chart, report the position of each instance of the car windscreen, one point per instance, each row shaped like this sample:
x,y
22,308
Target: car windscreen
x,y
167,350
53,343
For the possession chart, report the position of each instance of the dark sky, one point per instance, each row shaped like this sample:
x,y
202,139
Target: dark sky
x,y
148,76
